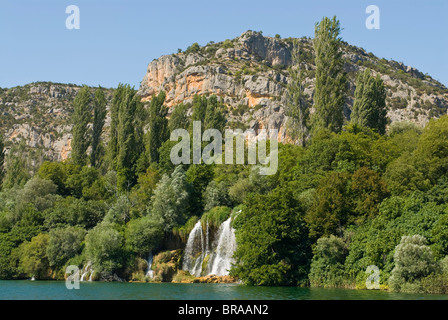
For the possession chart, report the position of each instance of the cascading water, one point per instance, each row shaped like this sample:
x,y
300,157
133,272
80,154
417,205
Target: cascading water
x,y
194,251
221,261
219,253
149,271
87,270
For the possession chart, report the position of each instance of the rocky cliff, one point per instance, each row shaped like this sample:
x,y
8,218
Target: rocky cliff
x,y
249,73
38,116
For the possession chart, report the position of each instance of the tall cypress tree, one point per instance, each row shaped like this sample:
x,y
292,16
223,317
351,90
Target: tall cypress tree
x,y
158,126
81,118
214,114
369,108
2,161
99,116
113,134
331,81
126,136
297,107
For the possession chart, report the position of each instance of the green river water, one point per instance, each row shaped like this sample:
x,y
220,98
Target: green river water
x,y
56,290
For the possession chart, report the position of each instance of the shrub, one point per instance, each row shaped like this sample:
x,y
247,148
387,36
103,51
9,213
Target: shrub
x,y
414,260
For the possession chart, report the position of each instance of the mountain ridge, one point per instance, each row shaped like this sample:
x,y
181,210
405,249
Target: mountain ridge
x,y
249,73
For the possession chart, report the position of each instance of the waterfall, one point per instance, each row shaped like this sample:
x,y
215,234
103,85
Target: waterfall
x,y
86,270
221,261
149,271
194,251
220,252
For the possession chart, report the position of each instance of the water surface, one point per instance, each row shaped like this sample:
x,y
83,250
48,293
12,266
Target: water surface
x,y
56,290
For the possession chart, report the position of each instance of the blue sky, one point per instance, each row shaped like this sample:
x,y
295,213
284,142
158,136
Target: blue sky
x,y
118,38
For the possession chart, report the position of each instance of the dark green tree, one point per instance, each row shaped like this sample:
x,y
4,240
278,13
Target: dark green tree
x,y
199,108
126,135
297,107
81,118
273,246
158,125
179,118
369,108
2,161
331,81
99,116
214,117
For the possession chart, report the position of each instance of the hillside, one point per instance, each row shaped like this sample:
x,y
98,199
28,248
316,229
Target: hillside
x,y
249,73
38,116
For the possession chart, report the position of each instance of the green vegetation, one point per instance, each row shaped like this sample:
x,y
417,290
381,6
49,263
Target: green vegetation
x,y
99,117
81,118
297,108
351,197
331,80
369,108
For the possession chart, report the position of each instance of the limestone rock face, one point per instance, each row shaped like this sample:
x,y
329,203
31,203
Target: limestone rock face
x,y
252,71
39,116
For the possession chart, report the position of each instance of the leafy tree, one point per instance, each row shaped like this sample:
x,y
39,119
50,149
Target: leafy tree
x,y
179,118
120,212
431,155
402,177
2,161
18,169
104,248
297,108
215,115
141,194
126,135
215,195
374,242
369,108
368,191
158,125
413,261
56,172
70,211
63,244
171,199
99,117
327,266
331,82
248,183
81,134
273,246
38,192
143,235
331,208
33,258
199,108
198,176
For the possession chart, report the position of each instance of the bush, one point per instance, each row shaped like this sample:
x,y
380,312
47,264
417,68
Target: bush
x,y
216,216
414,260
143,235
327,266
104,249
63,244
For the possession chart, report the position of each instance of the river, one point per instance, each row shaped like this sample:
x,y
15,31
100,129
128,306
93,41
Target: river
x,y
56,290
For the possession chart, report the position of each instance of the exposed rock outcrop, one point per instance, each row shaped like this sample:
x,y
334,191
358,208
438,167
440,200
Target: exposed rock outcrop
x,y
252,70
